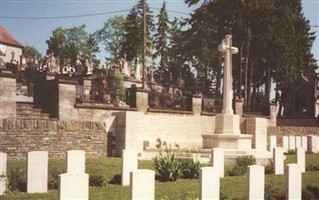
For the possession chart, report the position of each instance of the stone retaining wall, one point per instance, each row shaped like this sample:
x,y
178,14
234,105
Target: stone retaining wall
x,y
17,137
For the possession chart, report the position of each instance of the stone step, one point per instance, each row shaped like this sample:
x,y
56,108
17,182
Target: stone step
x,y
28,111
24,105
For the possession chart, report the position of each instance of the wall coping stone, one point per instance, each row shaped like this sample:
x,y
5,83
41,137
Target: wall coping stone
x,y
209,113
7,75
64,81
89,105
156,110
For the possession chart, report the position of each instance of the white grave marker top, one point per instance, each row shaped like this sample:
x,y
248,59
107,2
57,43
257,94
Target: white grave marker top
x,y
76,162
227,48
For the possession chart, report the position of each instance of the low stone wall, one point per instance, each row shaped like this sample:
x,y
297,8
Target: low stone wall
x,y
17,137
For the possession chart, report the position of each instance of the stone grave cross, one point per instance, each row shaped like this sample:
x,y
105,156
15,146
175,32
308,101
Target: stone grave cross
x,y
227,48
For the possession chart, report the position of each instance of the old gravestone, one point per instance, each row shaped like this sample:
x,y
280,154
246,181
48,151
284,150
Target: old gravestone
x,y
37,171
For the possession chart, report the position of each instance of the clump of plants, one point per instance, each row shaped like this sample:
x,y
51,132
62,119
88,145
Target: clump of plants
x,y
242,162
167,166
291,152
191,168
17,179
98,181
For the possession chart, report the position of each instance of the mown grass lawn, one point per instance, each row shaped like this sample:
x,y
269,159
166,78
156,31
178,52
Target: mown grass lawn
x,y
180,189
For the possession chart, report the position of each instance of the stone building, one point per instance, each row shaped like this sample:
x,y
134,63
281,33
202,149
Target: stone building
x,y
10,49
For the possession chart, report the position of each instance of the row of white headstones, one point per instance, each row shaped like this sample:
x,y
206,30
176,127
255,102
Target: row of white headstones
x,y
75,183
310,143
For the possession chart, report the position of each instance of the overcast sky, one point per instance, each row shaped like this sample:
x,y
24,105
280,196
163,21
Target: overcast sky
x,y
34,32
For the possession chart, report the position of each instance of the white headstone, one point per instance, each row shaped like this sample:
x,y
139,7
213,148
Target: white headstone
x,y
298,142
142,184
76,162
37,172
285,143
75,183
3,164
3,172
313,144
292,142
278,156
304,142
255,182
218,160
129,163
209,183
73,186
293,181
272,143
301,159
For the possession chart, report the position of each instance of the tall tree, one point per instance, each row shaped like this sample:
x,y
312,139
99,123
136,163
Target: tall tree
x,y
132,44
161,41
32,54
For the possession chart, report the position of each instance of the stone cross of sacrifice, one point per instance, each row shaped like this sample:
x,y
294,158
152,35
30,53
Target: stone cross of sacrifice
x,y
227,48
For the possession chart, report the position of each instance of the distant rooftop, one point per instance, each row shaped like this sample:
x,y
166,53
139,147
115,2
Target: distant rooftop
x,y
6,38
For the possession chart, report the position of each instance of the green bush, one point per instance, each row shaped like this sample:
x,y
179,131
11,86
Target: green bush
x,y
269,169
314,190
17,179
291,152
168,168
242,162
191,168
273,193
98,181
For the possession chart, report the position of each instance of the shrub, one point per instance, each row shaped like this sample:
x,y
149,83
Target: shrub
x,y
191,168
269,169
98,181
273,193
167,166
291,152
314,190
17,179
242,162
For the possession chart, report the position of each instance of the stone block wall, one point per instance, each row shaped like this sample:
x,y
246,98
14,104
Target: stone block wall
x,y
17,137
7,96
136,130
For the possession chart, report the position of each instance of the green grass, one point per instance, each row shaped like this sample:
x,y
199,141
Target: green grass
x,y
180,189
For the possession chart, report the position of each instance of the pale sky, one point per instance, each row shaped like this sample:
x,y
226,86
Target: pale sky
x,y
34,32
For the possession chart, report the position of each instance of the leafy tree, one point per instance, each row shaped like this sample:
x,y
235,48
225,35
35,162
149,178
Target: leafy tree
x,y
112,36
32,54
68,44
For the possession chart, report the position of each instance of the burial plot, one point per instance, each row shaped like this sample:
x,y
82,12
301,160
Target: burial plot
x,y
255,182
293,181
278,157
218,161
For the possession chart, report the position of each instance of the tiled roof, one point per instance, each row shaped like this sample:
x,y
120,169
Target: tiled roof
x,y
6,38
